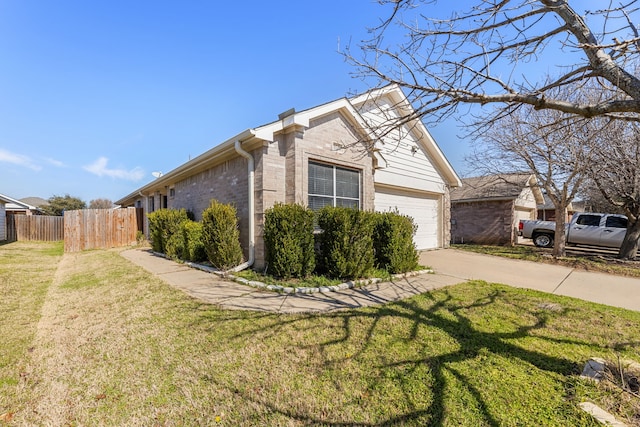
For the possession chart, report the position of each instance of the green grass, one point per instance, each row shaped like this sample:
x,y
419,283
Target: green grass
x,y
130,350
605,262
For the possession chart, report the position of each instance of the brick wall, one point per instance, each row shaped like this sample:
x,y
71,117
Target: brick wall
x,y
225,182
488,223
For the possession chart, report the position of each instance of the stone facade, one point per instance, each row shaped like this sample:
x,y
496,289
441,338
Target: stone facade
x,y
282,167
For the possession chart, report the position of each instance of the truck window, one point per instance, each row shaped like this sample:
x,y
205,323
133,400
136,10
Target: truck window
x,y
616,222
593,220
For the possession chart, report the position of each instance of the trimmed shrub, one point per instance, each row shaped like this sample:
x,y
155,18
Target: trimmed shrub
x,y
221,236
163,224
393,242
186,244
346,243
192,231
288,239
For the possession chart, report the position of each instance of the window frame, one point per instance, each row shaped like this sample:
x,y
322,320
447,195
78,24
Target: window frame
x,y
334,197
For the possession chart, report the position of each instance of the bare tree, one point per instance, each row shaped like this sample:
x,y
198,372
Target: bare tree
x,y
554,146
100,204
616,172
487,55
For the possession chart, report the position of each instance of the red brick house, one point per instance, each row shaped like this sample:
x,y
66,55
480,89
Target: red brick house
x,y
326,155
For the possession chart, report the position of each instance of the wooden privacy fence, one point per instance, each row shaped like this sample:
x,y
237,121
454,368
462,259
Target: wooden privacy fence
x,y
99,228
35,227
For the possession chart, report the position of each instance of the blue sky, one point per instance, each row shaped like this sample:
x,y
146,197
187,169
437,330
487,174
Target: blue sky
x,y
97,95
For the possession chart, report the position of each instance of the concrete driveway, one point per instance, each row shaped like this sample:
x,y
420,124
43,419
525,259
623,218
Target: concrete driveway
x,y
602,288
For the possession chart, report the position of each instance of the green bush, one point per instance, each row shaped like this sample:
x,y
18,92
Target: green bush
x,y
163,224
393,242
346,243
288,239
186,244
221,236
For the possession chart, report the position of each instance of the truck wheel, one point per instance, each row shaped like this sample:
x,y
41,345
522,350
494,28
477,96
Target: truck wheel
x,y
543,240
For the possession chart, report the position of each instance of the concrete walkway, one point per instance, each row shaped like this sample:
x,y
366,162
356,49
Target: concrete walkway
x,y
231,295
451,267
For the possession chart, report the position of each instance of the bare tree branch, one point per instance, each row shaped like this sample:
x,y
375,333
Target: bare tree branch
x,y
481,56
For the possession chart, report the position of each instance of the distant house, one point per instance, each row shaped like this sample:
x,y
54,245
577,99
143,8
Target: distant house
x,y
19,207
3,217
547,211
326,155
487,209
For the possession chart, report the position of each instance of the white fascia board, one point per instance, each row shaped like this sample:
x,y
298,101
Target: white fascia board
x,y
14,203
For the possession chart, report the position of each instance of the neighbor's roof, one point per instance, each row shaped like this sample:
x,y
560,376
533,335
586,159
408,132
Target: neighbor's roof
x,y
496,187
35,201
292,119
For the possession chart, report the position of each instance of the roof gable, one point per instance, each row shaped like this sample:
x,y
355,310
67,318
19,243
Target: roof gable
x,y
496,187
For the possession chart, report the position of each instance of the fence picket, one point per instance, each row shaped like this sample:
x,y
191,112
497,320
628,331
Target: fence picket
x,y
99,228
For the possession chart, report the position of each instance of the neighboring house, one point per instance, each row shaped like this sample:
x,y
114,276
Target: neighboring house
x,y
3,217
18,207
547,211
487,209
326,155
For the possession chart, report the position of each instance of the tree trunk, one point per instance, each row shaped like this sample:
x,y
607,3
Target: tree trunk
x,y
629,247
559,238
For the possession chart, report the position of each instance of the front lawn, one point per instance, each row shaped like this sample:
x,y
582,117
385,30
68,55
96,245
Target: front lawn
x,y
105,343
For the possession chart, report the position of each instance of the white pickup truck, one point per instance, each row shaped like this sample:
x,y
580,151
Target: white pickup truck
x,y
592,229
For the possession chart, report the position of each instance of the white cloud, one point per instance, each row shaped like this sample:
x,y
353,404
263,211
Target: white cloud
x,y
18,159
55,162
99,167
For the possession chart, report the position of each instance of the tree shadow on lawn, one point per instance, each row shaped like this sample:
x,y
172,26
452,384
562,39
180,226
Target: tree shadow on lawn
x,y
447,316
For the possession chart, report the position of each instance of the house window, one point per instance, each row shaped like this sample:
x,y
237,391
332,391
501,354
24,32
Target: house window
x,y
333,186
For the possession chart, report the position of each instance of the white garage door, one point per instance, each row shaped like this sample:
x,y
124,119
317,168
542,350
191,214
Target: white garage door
x,y
421,207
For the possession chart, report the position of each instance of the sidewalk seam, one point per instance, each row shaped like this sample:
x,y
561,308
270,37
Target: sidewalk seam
x,y
562,281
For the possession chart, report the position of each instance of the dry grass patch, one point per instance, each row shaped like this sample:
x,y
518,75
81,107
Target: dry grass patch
x,y
26,272
116,346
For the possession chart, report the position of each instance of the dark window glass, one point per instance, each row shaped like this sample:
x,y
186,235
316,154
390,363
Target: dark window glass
x,y
616,222
593,220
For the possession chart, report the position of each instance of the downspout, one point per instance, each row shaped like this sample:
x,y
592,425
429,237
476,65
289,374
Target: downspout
x,y
251,179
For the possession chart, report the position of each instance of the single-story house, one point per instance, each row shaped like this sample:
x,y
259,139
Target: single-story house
x,y
487,209
332,154
19,207
3,217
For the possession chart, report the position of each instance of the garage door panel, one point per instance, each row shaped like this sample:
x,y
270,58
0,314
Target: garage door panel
x,y
424,210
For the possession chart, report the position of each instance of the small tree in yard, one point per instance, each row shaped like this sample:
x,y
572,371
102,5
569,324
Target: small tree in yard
x,y
288,238
221,236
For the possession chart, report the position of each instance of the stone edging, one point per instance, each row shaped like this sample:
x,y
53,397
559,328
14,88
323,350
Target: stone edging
x,y
301,290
